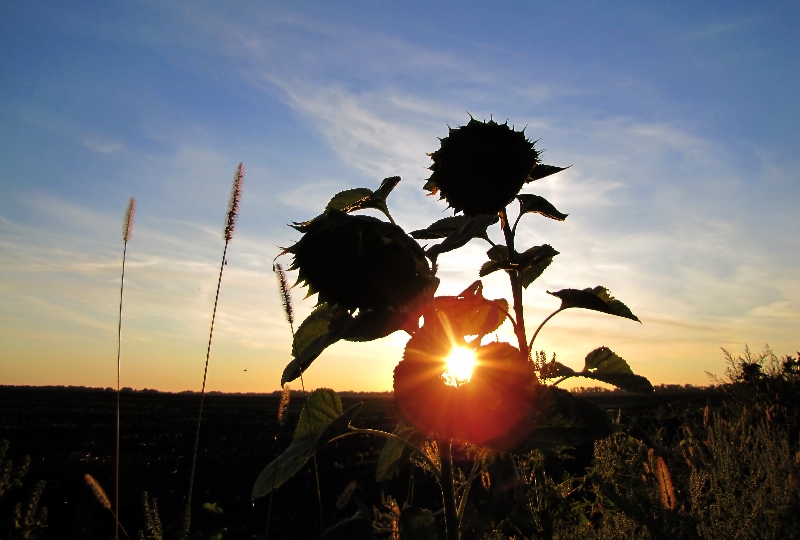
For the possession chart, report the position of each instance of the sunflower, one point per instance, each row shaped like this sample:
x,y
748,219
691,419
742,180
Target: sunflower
x,y
360,262
490,409
480,168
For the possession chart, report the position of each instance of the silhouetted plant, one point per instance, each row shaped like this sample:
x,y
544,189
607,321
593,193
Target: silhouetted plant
x,y
127,231
20,513
230,224
372,279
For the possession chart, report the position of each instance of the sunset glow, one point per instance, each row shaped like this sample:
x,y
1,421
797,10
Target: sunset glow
x,y
460,364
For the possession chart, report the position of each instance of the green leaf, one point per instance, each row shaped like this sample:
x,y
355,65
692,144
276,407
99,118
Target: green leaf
x,y
321,420
470,314
557,369
357,527
534,270
542,171
441,228
417,524
314,326
485,318
351,200
474,228
534,204
310,352
321,408
394,454
602,364
497,253
597,299
532,262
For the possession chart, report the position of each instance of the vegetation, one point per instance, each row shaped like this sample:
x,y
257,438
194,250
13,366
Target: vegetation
x,y
510,454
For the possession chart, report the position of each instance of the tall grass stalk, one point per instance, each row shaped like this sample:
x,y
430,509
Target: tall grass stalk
x,y
127,230
230,224
102,499
288,311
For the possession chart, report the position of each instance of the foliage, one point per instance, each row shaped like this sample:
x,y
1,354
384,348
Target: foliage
x,y
372,279
730,471
20,514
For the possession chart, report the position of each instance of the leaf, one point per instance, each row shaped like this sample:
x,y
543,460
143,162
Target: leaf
x,y
557,369
394,454
602,364
321,420
357,527
417,524
532,261
310,353
441,228
351,200
474,228
497,253
597,299
470,314
320,409
485,318
314,326
542,171
534,204
534,270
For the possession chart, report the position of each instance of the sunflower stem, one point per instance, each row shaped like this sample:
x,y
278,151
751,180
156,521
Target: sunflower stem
x,y
530,347
452,528
516,285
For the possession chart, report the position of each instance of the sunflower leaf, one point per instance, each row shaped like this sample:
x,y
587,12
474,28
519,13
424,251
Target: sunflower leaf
x,y
441,228
394,454
310,352
534,204
597,299
542,171
350,200
315,325
474,228
602,364
532,262
321,420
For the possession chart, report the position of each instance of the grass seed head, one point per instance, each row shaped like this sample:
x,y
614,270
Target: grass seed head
x,y
286,298
98,491
127,225
283,406
233,204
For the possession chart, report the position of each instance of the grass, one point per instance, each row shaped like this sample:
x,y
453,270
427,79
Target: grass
x,y
230,225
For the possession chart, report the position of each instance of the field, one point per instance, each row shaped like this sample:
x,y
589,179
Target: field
x,y
70,432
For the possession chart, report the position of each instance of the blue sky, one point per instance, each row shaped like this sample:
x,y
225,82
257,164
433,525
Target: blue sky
x,y
680,122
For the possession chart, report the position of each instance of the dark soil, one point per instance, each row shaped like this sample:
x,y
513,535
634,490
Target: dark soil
x,y
70,432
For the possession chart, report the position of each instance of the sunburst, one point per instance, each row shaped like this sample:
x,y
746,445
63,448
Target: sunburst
x,y
459,365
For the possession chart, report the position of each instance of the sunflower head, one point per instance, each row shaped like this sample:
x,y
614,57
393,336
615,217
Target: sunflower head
x,y
360,262
490,408
480,168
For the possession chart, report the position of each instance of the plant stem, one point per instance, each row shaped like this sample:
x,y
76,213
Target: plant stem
x,y
452,528
437,472
119,351
530,347
471,478
516,285
187,513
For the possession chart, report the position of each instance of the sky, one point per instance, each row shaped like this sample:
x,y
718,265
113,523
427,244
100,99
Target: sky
x,y
680,121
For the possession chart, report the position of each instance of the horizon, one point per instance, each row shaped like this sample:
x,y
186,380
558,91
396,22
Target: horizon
x,y
680,124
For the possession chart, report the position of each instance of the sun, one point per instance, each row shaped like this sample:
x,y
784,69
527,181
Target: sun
x,y
460,363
